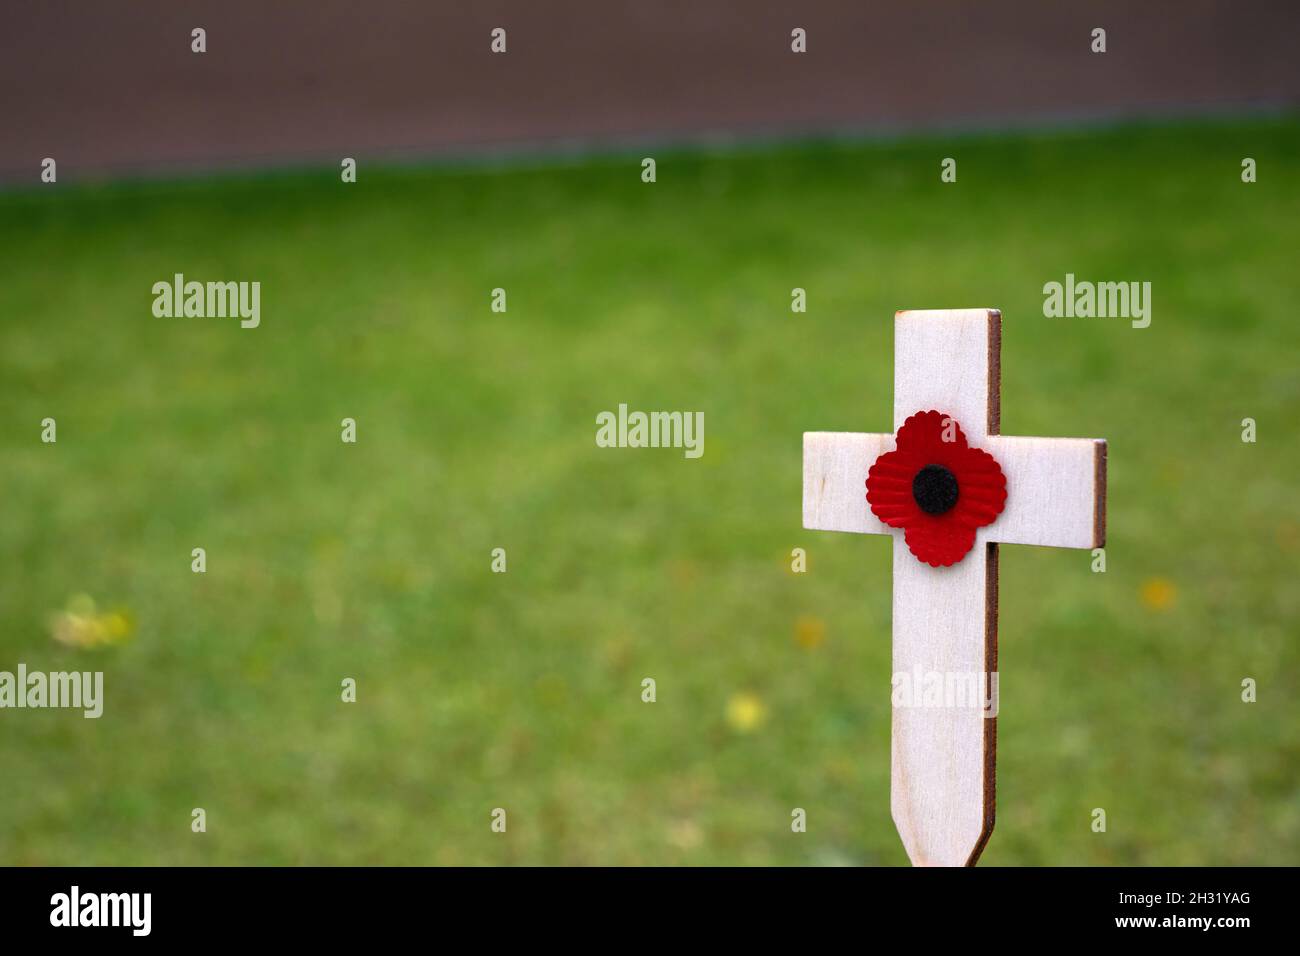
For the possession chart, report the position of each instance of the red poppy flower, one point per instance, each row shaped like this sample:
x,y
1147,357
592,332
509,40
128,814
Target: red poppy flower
x,y
938,491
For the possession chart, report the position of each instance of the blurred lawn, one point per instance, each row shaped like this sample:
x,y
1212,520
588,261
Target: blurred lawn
x,y
476,431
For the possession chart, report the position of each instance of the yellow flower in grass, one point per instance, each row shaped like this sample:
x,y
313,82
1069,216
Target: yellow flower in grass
x,y
809,632
82,624
745,711
1159,593
685,834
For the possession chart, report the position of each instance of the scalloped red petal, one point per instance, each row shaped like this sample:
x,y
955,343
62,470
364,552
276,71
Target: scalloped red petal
x,y
938,540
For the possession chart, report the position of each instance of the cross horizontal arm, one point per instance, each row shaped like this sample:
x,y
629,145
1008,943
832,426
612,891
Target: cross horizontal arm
x,y
1056,491
835,466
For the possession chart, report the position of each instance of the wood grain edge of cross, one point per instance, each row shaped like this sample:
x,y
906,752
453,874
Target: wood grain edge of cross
x,y
989,778
842,456
993,425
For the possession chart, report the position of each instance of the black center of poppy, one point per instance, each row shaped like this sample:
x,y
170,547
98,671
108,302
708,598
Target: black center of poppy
x,y
935,489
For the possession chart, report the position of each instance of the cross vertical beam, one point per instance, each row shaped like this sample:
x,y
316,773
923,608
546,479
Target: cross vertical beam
x,y
942,766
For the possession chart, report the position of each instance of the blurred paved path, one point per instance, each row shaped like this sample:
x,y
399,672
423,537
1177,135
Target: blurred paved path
x,y
102,89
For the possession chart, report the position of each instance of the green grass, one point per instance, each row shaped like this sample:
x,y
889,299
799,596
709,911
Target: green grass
x,y
476,431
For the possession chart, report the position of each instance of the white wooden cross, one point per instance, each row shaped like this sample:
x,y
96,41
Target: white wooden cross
x,y
946,618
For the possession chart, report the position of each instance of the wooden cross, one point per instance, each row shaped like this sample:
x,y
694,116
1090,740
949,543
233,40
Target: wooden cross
x,y
946,618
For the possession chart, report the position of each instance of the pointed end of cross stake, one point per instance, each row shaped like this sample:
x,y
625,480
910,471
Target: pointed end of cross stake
x,y
942,792
959,846
943,759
